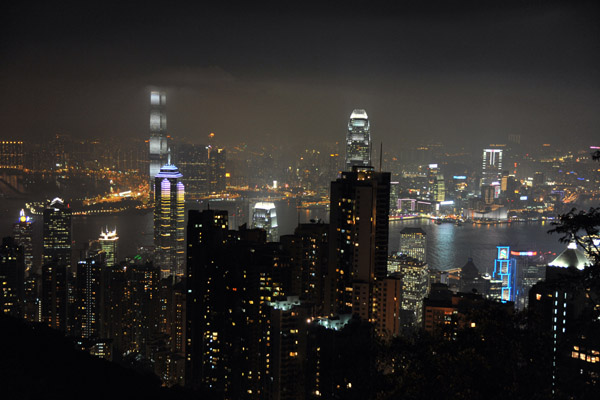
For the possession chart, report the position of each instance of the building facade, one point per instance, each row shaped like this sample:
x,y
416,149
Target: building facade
x,y
358,140
169,234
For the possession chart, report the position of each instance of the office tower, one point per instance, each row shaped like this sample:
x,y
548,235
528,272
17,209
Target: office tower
x,y
57,233
159,142
23,232
192,160
109,243
413,243
358,140
264,216
90,296
414,275
491,171
358,240
217,158
505,270
12,277
437,187
169,208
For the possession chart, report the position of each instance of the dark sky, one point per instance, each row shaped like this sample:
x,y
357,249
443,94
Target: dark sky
x,y
453,71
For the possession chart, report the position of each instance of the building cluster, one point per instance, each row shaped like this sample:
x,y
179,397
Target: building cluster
x,y
250,313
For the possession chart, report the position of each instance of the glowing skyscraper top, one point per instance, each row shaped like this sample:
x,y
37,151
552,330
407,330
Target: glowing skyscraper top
x,y
108,243
358,140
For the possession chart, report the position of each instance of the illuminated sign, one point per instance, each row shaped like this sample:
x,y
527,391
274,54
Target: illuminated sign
x,y
459,177
503,253
523,253
447,202
433,166
523,198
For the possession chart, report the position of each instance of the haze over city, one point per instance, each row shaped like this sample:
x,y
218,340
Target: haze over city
x,y
301,201
465,74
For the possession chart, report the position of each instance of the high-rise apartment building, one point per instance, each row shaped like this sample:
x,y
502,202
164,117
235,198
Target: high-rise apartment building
x,y
57,233
358,140
12,277
90,294
264,216
169,208
159,142
358,240
108,243
413,243
23,233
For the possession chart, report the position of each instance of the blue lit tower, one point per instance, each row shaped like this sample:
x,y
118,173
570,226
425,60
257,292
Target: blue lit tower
x,y
169,227
158,144
505,270
358,140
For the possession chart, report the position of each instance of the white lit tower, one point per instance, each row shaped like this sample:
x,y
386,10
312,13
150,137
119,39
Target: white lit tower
x,y
23,232
169,209
158,144
358,140
264,216
108,243
491,166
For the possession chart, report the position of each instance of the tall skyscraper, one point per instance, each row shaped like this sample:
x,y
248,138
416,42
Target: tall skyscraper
x,y
358,140
505,270
23,232
413,243
358,240
491,171
264,216
108,243
159,142
169,208
55,302
57,233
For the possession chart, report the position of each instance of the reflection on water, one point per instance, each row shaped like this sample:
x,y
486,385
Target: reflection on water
x,y
449,246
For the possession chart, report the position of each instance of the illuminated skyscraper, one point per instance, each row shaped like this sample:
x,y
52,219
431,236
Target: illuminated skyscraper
x,y
264,216
358,140
491,171
159,143
169,226
57,233
413,243
358,240
505,270
23,232
108,243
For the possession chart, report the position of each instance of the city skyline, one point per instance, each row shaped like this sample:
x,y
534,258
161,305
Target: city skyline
x,y
431,72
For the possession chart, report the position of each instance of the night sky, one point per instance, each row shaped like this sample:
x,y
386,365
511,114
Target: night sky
x,y
453,71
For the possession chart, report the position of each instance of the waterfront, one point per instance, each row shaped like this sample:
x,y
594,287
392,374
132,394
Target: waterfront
x,y
448,246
